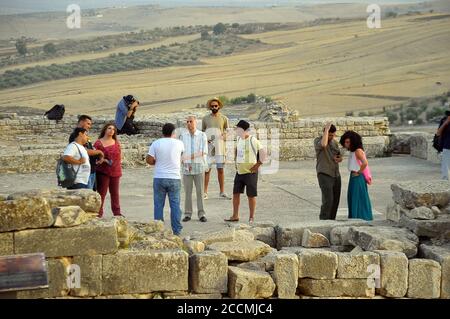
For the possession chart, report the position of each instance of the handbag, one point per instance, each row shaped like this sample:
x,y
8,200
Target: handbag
x,y
366,172
65,172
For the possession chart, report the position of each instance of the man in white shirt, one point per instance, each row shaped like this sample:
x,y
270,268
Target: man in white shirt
x,y
194,165
76,154
165,153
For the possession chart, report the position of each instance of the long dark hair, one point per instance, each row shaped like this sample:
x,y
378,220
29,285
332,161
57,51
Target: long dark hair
x,y
355,140
103,132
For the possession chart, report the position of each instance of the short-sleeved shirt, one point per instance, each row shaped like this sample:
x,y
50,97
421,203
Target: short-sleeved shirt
x,y
194,144
88,146
247,154
325,158
214,127
121,114
84,170
445,136
167,153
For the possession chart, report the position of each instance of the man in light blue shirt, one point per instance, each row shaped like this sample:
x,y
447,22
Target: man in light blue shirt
x,y
194,165
125,115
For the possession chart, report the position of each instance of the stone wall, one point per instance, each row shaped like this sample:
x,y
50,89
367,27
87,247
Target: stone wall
x,y
417,144
33,144
321,259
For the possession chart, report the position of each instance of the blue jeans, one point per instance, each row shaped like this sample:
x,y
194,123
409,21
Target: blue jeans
x,y
172,188
445,163
91,182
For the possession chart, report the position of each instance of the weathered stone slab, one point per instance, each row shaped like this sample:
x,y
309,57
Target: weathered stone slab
x,y
225,235
356,265
291,235
427,228
265,234
336,287
249,284
58,272
25,213
339,236
315,263
286,275
130,272
384,238
69,216
422,193
393,274
126,296
208,272
441,254
314,240
6,244
88,200
93,238
266,263
424,279
421,212
90,276
243,235
193,246
241,251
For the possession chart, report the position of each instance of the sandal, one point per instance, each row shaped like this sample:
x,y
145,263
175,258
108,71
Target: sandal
x,y
231,219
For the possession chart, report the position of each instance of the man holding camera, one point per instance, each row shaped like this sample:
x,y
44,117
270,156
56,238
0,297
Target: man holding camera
x,y
443,133
125,115
327,167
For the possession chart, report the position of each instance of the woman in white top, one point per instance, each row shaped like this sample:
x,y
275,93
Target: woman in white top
x,y
358,200
76,155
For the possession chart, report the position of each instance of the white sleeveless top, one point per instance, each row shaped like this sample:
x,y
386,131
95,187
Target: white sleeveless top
x,y
353,163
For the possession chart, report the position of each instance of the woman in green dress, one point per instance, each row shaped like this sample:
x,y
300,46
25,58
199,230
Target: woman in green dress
x,y
358,200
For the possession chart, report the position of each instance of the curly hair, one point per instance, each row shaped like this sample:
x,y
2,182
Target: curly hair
x,y
103,131
355,140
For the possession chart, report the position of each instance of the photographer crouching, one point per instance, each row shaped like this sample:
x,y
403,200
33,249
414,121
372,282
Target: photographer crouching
x,y
125,115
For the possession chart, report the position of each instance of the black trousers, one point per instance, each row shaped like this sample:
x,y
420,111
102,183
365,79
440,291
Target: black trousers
x,y
331,195
128,128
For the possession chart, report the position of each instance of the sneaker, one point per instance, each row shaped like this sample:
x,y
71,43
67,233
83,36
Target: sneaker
x,y
224,196
203,219
205,196
186,218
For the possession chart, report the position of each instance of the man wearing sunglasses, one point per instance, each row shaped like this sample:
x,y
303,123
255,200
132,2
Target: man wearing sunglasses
x,y
215,125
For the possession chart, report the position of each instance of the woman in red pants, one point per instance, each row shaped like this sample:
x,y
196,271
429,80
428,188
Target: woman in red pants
x,y
109,170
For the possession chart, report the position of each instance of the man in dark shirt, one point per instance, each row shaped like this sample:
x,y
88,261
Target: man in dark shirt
x,y
85,121
444,133
327,167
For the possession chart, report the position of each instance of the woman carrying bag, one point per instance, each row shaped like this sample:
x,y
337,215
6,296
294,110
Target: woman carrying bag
x,y
358,200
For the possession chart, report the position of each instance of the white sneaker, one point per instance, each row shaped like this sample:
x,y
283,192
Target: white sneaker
x,y
224,196
205,196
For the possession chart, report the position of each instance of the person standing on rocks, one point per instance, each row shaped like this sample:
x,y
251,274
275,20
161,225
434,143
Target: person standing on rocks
x,y
358,200
165,153
194,164
109,169
126,109
85,121
76,154
249,156
327,167
215,125
444,135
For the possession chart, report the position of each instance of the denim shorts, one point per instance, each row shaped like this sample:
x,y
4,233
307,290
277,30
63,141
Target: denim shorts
x,y
218,160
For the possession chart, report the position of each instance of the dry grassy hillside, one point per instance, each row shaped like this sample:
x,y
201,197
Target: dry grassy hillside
x,y
326,69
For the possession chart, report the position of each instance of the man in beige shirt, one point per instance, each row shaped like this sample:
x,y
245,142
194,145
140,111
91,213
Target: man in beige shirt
x,y
215,125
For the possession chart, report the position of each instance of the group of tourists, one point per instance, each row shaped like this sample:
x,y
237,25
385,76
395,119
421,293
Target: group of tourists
x,y
185,155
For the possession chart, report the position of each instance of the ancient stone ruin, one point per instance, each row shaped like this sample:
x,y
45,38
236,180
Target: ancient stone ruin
x,y
407,256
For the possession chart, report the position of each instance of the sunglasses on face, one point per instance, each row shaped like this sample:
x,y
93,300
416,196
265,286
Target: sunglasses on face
x,y
189,121
215,106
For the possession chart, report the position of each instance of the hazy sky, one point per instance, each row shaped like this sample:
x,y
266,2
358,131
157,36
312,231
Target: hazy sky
x,y
22,6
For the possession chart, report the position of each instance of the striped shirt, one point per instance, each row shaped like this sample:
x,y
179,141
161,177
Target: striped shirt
x,y
194,144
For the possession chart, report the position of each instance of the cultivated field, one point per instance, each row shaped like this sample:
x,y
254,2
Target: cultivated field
x,y
325,69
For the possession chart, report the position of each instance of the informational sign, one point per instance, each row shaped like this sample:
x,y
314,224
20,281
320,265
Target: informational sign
x,y
22,272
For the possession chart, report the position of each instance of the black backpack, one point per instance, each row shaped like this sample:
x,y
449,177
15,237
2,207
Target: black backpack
x,y
56,112
437,143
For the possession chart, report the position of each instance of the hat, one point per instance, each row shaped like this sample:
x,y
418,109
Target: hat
x,y
130,99
216,100
243,125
